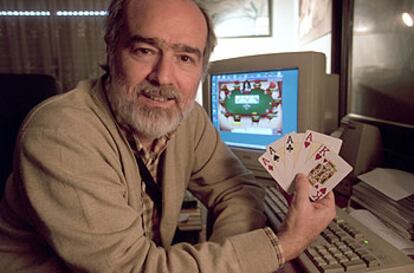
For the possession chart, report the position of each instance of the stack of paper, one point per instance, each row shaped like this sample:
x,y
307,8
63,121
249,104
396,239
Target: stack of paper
x,y
389,194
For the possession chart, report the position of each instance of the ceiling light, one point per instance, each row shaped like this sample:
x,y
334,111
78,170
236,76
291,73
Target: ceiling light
x,y
407,19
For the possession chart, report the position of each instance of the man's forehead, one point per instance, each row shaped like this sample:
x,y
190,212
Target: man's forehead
x,y
175,21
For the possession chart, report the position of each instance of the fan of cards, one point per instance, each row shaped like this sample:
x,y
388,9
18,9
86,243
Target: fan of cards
x,y
311,153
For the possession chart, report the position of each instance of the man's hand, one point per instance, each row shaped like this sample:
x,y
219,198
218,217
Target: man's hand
x,y
305,220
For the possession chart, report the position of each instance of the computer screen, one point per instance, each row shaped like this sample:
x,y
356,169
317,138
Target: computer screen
x,y
254,100
253,109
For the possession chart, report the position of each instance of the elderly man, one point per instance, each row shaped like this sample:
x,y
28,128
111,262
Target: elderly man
x,y
100,172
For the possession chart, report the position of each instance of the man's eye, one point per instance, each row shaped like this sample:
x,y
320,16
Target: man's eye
x,y
142,51
186,59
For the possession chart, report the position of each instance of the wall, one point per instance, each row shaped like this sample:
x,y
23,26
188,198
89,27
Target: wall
x,y
284,24
285,18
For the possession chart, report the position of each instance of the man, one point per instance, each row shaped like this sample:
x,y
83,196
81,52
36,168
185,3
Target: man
x,y
100,172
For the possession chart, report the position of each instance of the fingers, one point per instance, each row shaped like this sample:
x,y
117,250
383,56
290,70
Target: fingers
x,y
286,195
302,187
328,200
330,197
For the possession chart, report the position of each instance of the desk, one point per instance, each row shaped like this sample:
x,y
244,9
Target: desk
x,y
190,226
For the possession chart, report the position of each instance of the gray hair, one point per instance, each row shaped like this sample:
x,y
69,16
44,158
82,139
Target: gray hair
x,y
114,24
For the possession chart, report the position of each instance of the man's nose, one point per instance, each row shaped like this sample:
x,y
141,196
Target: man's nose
x,y
162,72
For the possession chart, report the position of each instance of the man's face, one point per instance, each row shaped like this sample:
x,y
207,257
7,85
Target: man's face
x,y
157,64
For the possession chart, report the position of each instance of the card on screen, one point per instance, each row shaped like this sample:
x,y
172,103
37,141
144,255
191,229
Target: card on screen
x,y
325,169
312,141
292,145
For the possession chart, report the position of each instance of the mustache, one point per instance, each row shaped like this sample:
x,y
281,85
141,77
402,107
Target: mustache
x,y
148,89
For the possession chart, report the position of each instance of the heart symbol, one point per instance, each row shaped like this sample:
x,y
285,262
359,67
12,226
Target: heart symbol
x,y
307,143
318,156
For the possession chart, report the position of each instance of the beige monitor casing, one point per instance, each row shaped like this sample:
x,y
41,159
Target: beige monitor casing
x,y
318,97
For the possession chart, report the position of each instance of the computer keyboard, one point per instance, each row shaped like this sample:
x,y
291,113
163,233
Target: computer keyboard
x,y
345,245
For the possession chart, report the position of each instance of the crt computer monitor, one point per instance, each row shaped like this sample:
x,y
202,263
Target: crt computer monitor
x,y
255,100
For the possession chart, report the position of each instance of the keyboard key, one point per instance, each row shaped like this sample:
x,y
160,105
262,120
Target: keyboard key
x,y
330,237
361,252
318,260
320,248
371,261
347,250
328,257
354,265
339,244
357,235
323,252
332,261
342,258
339,220
331,268
349,241
320,263
333,249
311,251
354,245
342,234
352,256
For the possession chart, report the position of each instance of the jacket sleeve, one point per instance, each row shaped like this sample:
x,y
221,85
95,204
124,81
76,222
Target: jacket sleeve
x,y
234,199
71,176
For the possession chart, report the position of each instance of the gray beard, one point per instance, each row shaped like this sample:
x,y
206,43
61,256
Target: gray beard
x,y
152,122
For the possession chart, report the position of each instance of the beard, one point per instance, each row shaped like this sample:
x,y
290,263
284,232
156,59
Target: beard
x,y
149,121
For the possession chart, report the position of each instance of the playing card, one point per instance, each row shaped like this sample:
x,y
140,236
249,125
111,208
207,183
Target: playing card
x,y
312,153
325,169
312,141
292,145
273,161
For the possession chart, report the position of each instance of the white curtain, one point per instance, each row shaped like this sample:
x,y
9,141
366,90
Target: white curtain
x,y
68,47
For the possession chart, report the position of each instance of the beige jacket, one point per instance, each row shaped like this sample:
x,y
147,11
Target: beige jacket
x,y
73,203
